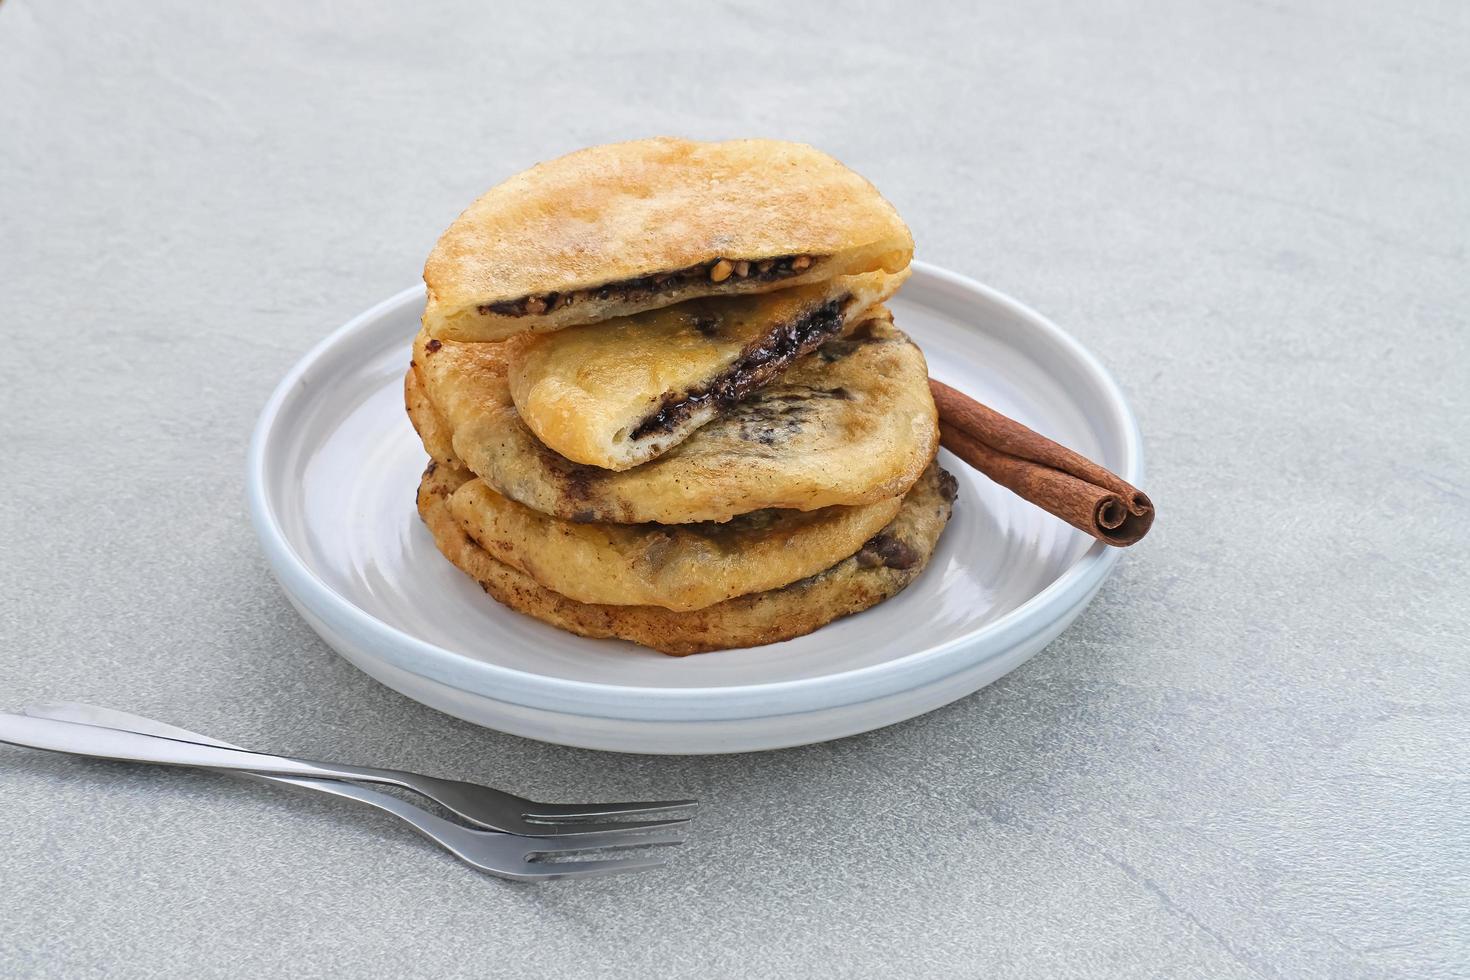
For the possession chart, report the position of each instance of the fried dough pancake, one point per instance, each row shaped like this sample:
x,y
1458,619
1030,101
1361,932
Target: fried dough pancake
x,y
680,567
852,423
614,230
433,431
620,393
882,568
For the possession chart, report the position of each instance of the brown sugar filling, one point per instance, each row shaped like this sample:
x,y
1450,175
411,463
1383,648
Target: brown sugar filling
x,y
756,367
635,290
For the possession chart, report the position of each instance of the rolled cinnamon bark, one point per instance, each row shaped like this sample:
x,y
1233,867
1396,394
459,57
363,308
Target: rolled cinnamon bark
x,y
1049,475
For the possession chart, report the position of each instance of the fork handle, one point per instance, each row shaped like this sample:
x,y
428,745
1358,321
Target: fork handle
x,y
108,743
434,827
99,717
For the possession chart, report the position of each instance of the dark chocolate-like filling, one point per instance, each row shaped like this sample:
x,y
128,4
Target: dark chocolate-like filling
x,y
949,487
641,288
756,367
887,550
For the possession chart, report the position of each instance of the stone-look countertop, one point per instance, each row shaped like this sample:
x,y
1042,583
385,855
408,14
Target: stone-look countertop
x,y
1247,758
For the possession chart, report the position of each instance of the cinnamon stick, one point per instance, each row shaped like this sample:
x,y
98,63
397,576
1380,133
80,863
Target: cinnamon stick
x,y
1049,475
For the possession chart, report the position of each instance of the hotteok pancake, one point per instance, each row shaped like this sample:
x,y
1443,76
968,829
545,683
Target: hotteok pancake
x,y
881,568
679,566
619,393
613,230
852,423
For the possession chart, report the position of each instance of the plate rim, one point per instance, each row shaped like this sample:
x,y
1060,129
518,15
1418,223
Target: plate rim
x,y
644,703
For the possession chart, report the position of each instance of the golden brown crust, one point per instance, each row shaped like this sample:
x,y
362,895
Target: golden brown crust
x,y
892,560
586,391
433,431
624,211
680,567
851,424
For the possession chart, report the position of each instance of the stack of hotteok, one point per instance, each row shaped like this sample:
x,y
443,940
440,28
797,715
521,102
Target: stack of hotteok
x,y
664,401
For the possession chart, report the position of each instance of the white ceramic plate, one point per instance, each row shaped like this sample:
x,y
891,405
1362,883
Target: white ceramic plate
x,y
334,466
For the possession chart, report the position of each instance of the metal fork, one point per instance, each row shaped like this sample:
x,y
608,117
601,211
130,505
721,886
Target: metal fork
x,y
504,855
478,804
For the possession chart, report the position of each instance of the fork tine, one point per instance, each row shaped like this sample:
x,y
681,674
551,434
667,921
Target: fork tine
x,y
582,829
605,841
556,811
587,869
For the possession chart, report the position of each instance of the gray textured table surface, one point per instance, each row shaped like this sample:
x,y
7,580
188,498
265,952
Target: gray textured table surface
x,y
1247,758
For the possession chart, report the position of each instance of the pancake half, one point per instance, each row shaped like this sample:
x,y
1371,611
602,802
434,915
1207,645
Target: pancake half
x,y
852,423
883,567
614,230
620,393
680,567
